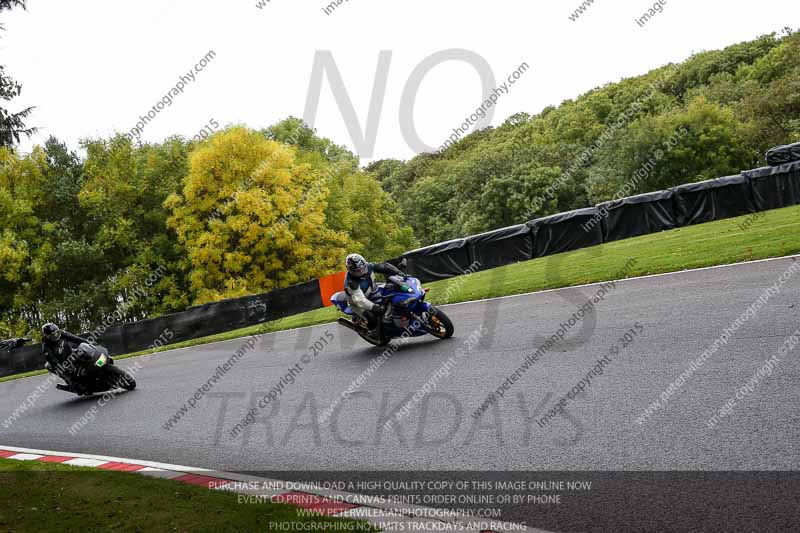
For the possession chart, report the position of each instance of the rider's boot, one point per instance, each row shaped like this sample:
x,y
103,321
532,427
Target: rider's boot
x,y
374,318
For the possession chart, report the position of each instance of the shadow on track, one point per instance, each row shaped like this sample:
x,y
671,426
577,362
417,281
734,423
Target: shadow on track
x,y
411,348
82,402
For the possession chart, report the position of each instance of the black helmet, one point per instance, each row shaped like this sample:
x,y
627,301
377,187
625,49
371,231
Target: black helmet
x,y
50,332
356,265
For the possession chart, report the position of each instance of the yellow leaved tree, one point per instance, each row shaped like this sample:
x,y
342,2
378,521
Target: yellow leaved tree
x,y
251,218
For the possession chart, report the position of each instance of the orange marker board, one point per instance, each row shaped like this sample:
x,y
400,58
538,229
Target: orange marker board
x,y
330,285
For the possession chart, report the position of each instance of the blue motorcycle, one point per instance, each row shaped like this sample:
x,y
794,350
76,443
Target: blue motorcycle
x,y
407,314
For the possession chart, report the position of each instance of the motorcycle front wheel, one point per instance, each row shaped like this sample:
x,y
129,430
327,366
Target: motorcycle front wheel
x,y
439,324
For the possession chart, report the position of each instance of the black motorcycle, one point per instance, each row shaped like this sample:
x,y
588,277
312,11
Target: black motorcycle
x,y
94,371
10,344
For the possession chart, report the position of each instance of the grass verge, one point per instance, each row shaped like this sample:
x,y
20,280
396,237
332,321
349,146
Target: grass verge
x,y
55,497
769,234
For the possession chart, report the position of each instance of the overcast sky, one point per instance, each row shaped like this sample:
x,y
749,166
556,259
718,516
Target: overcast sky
x,y
93,67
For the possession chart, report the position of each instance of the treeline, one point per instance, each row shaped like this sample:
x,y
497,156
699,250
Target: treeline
x,y
132,231
711,116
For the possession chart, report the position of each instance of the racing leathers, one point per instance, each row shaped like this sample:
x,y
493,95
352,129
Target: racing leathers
x,y
358,289
58,355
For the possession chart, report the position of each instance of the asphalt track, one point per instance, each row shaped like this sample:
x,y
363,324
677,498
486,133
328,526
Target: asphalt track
x,y
671,473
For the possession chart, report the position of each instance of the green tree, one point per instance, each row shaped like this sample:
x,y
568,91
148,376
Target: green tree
x,y
770,103
359,207
701,142
21,193
123,196
431,209
384,171
293,131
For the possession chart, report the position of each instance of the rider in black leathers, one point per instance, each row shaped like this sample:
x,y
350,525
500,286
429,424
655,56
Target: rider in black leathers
x,y
57,348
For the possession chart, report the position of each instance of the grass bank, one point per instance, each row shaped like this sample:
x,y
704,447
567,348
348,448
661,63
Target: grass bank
x,y
55,497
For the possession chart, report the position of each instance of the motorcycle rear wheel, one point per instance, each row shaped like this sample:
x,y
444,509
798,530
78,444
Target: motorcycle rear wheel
x,y
372,341
120,378
359,329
